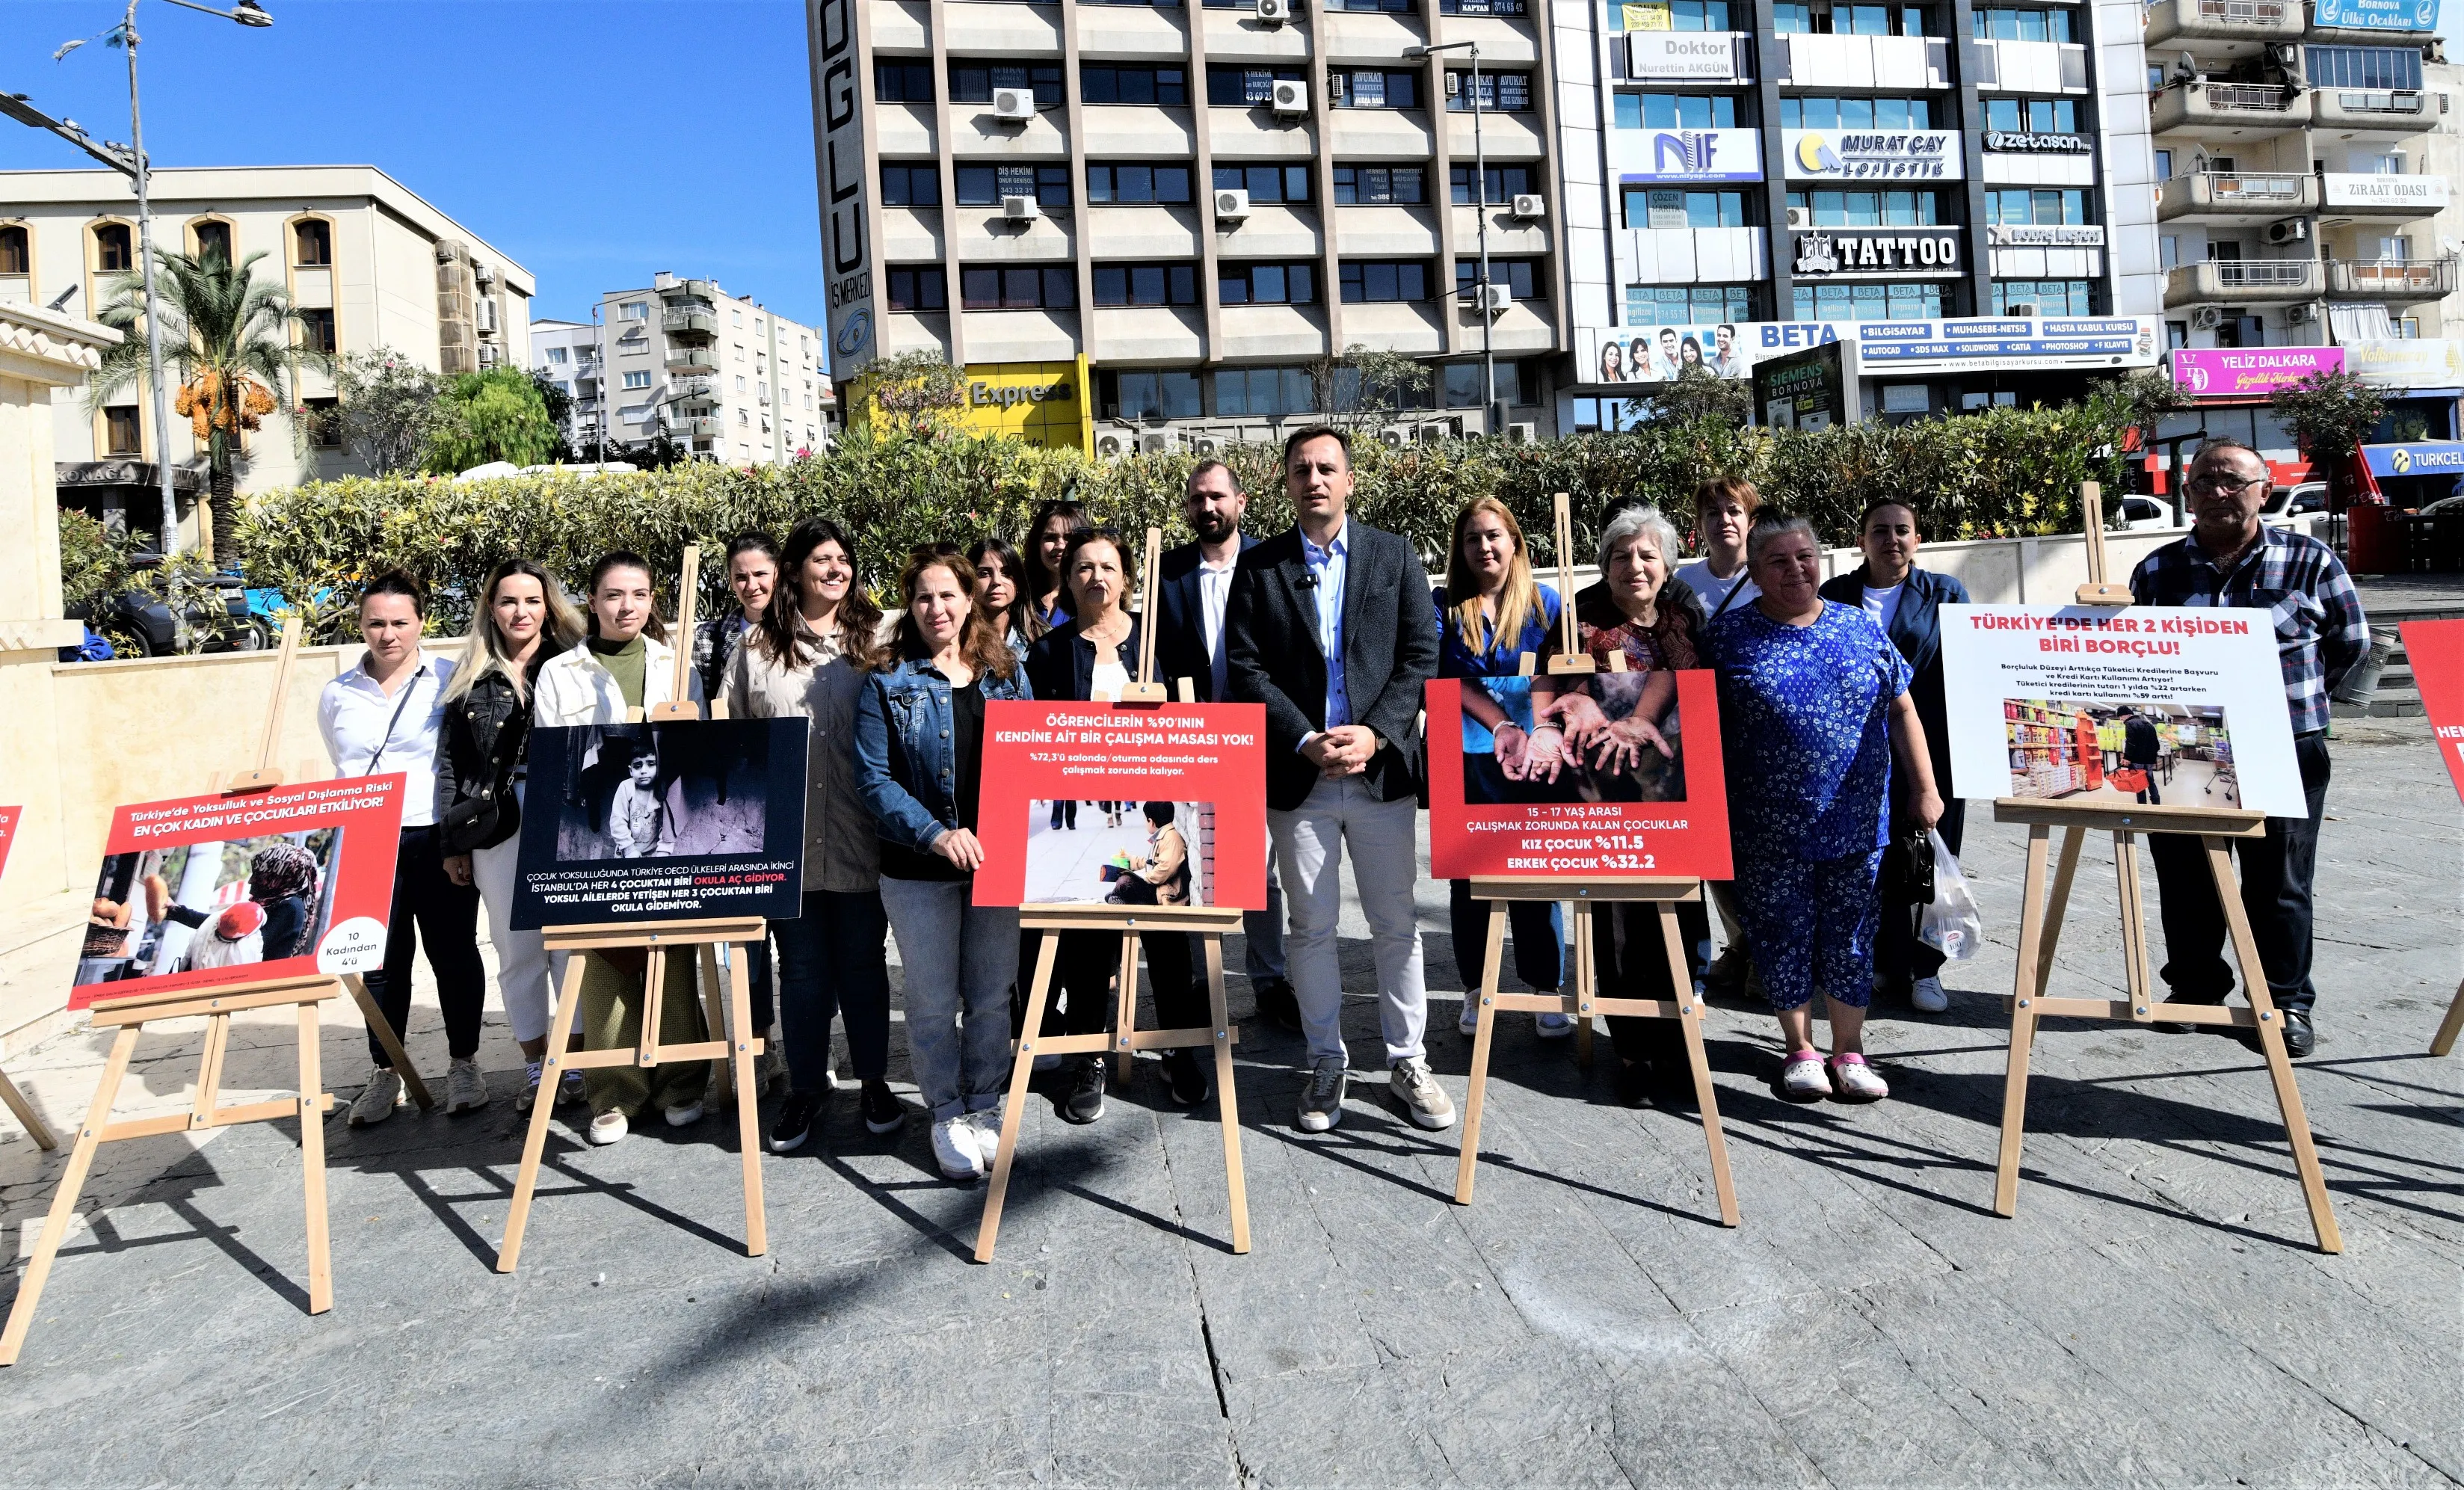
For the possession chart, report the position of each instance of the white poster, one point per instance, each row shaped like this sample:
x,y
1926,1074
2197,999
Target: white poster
x,y
2175,707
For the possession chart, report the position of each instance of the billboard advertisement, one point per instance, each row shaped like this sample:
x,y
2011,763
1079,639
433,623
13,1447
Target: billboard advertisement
x,y
1650,157
1871,154
2377,14
2008,343
2251,372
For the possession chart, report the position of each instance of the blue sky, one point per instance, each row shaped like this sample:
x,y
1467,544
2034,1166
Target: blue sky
x,y
596,143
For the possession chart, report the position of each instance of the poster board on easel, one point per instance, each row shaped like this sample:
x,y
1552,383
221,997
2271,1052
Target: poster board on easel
x,y
2198,698
2435,650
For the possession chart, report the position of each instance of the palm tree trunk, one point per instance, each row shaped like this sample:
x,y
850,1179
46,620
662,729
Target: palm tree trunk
x,y
221,533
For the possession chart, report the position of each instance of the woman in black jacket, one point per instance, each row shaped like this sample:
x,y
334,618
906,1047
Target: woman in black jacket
x,y
524,620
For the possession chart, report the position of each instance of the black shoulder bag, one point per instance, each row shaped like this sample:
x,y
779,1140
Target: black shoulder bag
x,y
492,816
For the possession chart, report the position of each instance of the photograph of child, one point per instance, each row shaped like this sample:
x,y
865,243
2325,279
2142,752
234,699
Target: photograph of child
x,y
194,906
637,820
1602,737
690,789
1126,853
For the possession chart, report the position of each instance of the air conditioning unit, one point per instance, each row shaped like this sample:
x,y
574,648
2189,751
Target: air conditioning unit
x,y
1014,105
2302,313
1113,443
1021,209
2292,229
1800,217
1157,442
1492,299
1205,445
487,314
1395,436
2207,317
1527,207
1231,206
1429,434
1274,12
1521,434
1291,96
491,354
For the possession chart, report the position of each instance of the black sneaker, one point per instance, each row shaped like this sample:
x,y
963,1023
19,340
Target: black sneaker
x,y
1634,1083
794,1122
1085,1101
1185,1074
881,1108
1276,1002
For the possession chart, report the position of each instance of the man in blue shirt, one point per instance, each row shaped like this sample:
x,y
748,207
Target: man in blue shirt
x,y
2232,558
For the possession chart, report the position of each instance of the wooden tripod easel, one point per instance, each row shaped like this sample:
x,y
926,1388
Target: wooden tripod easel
x,y
731,1014
2440,1044
1208,923
2040,927
217,1004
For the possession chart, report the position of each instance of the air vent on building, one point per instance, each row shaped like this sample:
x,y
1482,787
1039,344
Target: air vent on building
x,y
1395,436
2302,313
1800,217
1157,442
2292,229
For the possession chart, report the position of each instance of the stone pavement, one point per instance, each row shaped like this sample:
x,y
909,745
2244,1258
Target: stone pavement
x,y
2155,1313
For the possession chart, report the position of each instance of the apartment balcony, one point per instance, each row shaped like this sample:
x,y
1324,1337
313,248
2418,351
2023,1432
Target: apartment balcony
x,y
2247,21
2242,282
693,360
2238,110
2244,199
2404,280
2377,111
701,427
693,395
689,322
681,291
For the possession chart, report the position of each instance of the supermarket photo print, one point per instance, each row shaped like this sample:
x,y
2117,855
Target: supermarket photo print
x,y
2109,750
1122,853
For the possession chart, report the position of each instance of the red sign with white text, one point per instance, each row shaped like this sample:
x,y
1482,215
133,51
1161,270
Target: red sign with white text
x,y
1579,776
1119,804
231,890
2435,649
7,833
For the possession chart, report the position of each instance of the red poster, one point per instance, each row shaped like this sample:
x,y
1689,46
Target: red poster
x,y
1594,777
229,890
7,833
1184,822
2435,649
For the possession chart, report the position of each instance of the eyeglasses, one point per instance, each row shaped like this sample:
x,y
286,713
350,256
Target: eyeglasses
x,y
2225,486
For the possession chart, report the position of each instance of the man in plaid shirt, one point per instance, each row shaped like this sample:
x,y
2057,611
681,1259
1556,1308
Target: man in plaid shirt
x,y
2232,558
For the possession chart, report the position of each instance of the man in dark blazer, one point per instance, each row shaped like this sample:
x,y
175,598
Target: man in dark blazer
x,y
1331,627
1906,603
1192,590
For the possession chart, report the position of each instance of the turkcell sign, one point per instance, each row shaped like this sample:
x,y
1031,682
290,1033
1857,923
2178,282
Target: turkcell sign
x,y
1712,56
846,229
1651,156
1872,155
2377,14
2006,344
2417,458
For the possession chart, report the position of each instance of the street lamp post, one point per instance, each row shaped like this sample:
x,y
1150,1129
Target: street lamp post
x,y
1480,199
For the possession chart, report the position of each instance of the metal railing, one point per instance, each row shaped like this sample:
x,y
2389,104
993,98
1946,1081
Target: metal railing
x,y
2244,274
2243,12
2411,280
2377,100
2240,187
2259,97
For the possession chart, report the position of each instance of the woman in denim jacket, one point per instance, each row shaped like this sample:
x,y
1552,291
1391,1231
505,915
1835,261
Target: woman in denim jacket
x,y
919,751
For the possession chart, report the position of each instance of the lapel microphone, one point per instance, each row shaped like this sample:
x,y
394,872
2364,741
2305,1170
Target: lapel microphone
x,y
1307,581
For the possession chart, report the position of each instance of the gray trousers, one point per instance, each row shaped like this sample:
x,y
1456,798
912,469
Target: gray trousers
x,y
958,961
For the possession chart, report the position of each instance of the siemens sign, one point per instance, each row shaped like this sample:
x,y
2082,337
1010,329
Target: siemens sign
x,y
1660,156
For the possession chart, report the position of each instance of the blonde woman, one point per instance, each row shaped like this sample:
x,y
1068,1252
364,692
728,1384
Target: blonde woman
x,y
524,620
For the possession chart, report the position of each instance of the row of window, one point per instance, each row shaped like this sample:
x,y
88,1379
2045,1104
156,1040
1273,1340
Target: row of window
x,y
1719,111
1055,287
1228,86
910,185
1282,392
1661,206
1396,7
312,245
1825,113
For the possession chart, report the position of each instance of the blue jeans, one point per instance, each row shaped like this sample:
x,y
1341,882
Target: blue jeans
x,y
831,962
1539,937
957,957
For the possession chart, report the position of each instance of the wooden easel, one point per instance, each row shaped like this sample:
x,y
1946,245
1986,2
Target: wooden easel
x,y
2040,927
1208,923
2441,1044
130,1016
731,1015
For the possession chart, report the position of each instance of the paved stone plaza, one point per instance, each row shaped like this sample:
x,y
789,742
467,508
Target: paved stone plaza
x,y
2155,1314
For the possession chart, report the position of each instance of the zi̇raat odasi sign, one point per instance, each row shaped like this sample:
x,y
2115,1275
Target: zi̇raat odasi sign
x,y
1871,154
1652,157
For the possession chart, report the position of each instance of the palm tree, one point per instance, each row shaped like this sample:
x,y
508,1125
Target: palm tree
x,y
236,348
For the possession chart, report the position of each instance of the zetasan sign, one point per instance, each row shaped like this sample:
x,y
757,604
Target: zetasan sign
x,y
2251,372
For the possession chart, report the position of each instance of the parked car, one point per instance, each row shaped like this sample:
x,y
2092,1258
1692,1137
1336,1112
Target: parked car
x,y
220,611
2144,512
2297,501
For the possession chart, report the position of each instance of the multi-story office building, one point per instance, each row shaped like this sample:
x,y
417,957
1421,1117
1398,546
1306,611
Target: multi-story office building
x,y
1751,177
1168,212
722,376
566,353
372,264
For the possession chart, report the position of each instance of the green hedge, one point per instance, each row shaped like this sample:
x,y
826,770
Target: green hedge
x,y
1999,473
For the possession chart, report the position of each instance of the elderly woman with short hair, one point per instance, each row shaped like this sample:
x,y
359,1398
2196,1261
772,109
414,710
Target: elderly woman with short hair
x,y
1814,708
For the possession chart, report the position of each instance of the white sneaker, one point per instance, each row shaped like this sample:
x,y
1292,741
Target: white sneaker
x,y
956,1151
685,1116
608,1127
1802,1079
1927,996
378,1098
1555,1026
1424,1102
1852,1078
987,1124
529,1097
466,1091
1469,1021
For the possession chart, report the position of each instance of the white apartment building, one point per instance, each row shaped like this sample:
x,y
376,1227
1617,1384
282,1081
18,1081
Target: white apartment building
x,y
566,352
372,263
722,376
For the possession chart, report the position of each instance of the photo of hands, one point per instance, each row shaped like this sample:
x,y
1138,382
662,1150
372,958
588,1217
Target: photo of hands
x,y
1605,737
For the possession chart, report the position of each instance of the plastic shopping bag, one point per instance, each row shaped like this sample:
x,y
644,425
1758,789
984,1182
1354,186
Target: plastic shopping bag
x,y
1949,922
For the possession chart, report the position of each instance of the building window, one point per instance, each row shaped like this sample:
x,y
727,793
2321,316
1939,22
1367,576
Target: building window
x,y
111,249
1146,284
1500,93
2033,116
1267,284
990,289
1149,395
2041,297
213,240
1467,385
2164,164
1667,206
121,430
1397,7
1265,182
1366,88
1263,392
1871,208
919,289
633,310
1374,280
902,82
2039,206
312,242
910,185
1240,87
2365,67
739,382
1137,183
2024,25
16,255
1168,86
556,356
1688,305
1817,18
642,379
1167,5
1869,302
1855,114
1376,186
317,331
1676,111
324,420
985,186
1594,415
1670,15
974,82
1505,183
1522,277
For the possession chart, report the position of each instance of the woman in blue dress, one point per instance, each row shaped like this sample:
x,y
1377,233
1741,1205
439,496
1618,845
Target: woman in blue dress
x,y
1491,613
1814,708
